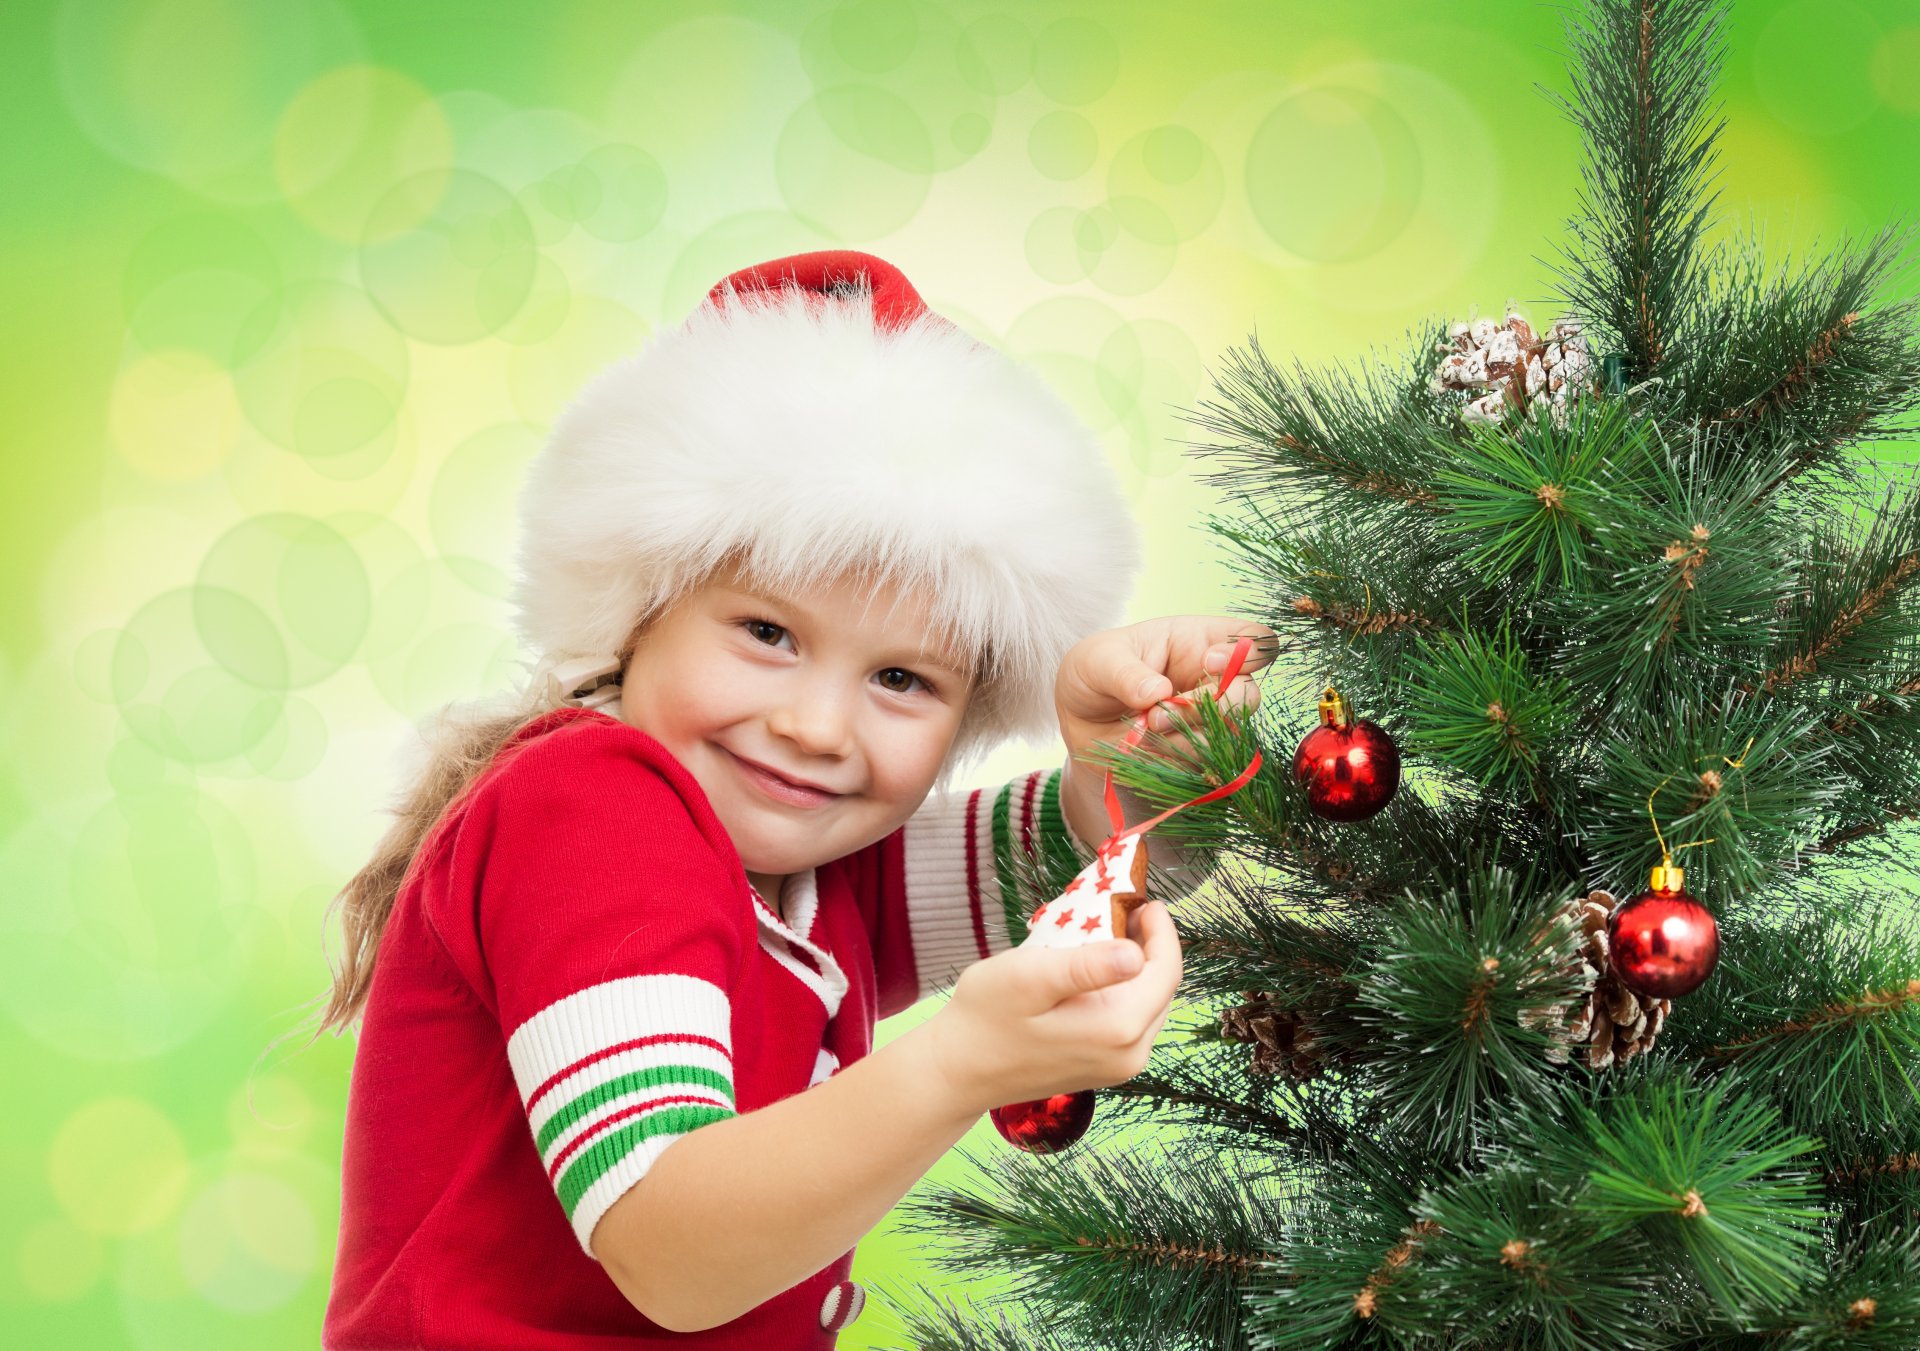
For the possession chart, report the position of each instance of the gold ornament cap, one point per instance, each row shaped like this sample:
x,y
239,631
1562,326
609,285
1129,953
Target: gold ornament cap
x,y
1333,709
1668,877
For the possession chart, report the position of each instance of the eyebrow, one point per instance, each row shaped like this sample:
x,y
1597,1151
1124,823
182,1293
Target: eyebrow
x,y
786,602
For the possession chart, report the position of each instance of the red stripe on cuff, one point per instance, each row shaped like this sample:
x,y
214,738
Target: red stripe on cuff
x,y
973,872
600,1127
635,1044
1026,811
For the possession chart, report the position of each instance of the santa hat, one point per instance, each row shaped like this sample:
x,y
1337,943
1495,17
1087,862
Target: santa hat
x,y
810,418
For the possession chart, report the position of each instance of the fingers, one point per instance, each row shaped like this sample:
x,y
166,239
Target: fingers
x,y
1153,924
1264,648
1093,966
1117,672
1108,677
1148,958
1242,693
1151,927
1122,670
1160,940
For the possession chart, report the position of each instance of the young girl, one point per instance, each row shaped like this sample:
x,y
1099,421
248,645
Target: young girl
x,y
789,568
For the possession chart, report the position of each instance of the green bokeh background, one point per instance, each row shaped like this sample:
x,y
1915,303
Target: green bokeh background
x,y
293,290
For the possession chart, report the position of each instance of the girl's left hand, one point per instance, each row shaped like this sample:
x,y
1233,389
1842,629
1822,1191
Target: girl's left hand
x,y
1109,679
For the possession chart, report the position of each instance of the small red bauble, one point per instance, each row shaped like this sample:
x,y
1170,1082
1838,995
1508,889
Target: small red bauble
x,y
1350,767
1663,942
1045,1125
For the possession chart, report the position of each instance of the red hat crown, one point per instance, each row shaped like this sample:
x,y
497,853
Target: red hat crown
x,y
833,274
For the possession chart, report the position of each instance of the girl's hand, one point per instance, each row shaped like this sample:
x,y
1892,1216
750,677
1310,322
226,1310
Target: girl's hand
x,y
1033,1021
1108,680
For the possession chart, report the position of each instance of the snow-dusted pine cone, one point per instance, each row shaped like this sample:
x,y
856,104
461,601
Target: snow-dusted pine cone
x,y
1283,1039
1610,1022
1508,364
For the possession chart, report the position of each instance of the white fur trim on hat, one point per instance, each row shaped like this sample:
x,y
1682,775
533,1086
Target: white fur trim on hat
x,y
810,441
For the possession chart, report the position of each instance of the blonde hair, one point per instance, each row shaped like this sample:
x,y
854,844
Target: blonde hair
x,y
462,741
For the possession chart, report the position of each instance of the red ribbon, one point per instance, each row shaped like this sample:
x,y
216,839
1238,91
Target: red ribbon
x,y
1120,828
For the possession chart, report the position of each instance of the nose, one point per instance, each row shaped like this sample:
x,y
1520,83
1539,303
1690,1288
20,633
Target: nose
x,y
815,716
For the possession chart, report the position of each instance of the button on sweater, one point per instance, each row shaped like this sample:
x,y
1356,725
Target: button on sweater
x,y
575,974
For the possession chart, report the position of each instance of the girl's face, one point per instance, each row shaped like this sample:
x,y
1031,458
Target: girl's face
x,y
757,696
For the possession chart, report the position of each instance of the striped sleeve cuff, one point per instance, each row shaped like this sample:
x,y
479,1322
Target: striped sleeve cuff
x,y
963,901
613,1074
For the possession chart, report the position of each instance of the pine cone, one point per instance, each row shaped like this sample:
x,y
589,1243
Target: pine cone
x,y
1611,1022
1509,365
1284,1040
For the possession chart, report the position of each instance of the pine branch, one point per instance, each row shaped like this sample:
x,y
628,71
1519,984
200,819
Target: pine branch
x,y
1110,1245
1242,939
1748,776
1814,361
1852,1012
1330,434
1875,748
1337,1238
1793,383
1445,1005
1872,707
1860,608
1695,585
1703,1171
1642,76
1180,1096
1823,1018
1531,497
1479,706
1209,1084
1853,618
1886,1166
1841,838
1347,619
936,1326
1817,453
1512,1253
1339,576
1320,456
1367,1302
1867,1299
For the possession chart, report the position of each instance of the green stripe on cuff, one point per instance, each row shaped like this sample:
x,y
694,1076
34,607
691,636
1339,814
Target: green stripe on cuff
x,y
1003,859
606,1091
1056,836
598,1158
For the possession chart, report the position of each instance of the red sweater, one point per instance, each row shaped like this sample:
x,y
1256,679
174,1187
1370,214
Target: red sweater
x,y
575,974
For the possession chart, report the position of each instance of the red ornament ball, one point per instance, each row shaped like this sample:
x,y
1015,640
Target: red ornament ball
x,y
1663,942
1349,767
1045,1125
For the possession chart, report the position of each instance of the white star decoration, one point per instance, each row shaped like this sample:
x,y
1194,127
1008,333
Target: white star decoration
x,y
1095,904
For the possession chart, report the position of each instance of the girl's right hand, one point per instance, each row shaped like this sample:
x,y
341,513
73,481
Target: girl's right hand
x,y
1034,1021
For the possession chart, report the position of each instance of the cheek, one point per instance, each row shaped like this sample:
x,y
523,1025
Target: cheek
x,y
720,675
905,760
675,708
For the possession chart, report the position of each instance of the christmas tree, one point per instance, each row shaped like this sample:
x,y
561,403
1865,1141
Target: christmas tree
x,y
1637,598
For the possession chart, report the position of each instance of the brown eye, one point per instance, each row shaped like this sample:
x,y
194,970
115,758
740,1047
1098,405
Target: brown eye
x,y
752,625
896,670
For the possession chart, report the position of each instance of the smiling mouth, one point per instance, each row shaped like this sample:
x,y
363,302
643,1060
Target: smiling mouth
x,y
782,790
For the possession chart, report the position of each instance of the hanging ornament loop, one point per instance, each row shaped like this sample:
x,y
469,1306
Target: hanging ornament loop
x,y
1666,875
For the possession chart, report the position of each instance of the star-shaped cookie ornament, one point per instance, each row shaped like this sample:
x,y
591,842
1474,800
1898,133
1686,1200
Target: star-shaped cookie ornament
x,y
1095,904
